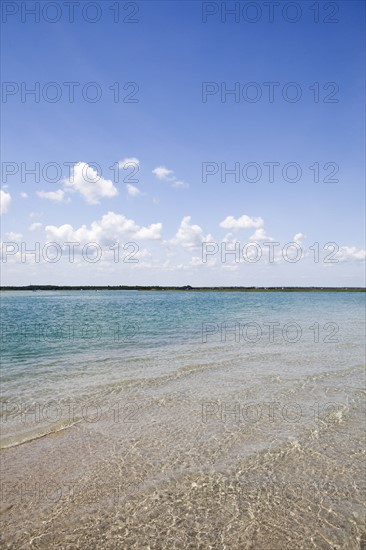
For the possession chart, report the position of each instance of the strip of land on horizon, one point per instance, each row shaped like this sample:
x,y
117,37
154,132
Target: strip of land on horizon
x,y
187,288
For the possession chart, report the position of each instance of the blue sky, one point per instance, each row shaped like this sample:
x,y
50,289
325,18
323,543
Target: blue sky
x,y
169,53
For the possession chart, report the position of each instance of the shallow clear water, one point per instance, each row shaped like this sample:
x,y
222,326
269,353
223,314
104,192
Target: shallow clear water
x,y
183,419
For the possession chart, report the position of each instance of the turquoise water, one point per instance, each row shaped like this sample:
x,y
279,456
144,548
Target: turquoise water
x,y
58,346
176,396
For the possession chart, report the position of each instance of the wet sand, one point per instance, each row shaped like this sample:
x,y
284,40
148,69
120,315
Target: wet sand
x,y
169,479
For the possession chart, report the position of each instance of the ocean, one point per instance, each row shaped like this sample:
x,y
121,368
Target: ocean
x,y
210,420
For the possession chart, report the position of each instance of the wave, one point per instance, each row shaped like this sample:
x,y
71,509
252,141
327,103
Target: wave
x,y
15,441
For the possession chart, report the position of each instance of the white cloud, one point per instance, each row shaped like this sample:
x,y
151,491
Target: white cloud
x,y
5,200
24,195
85,180
110,228
351,253
228,238
153,231
55,196
64,233
298,238
260,235
163,173
35,215
244,222
180,184
190,235
133,191
127,162
13,236
34,226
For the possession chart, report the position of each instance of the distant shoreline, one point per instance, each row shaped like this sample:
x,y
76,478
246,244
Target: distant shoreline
x,y
187,288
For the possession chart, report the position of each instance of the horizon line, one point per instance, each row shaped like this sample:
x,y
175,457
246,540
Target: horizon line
x,y
188,288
